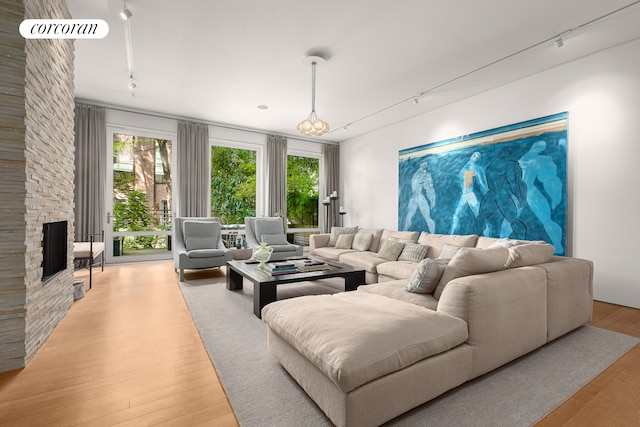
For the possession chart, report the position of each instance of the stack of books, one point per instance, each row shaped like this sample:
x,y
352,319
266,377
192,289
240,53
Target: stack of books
x,y
307,264
282,267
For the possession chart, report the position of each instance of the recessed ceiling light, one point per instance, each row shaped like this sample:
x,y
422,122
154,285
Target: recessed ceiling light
x,y
262,107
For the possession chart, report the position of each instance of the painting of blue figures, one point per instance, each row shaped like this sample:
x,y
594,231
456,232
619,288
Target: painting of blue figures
x,y
508,182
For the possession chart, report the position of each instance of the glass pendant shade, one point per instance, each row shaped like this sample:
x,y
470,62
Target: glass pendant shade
x,y
313,125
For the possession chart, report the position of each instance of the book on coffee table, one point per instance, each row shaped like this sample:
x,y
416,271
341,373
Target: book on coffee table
x,y
308,264
282,267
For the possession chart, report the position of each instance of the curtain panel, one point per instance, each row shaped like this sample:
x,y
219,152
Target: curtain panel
x,y
276,175
193,169
330,182
90,170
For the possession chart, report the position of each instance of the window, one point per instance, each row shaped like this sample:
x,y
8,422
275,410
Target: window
x,y
233,183
302,191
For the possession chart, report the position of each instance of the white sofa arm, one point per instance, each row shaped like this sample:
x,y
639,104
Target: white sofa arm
x,y
318,241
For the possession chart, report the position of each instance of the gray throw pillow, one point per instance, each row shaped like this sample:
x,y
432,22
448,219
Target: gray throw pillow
x,y
345,241
337,231
414,252
391,250
427,276
274,239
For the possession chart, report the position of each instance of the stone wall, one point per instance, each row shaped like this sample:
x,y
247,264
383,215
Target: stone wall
x,y
36,177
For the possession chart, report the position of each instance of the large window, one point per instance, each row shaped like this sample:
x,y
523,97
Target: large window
x,y
302,191
233,184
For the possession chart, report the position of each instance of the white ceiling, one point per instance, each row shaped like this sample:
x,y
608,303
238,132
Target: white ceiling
x,y
216,61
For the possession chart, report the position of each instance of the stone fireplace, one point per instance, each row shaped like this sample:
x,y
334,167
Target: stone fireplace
x,y
36,178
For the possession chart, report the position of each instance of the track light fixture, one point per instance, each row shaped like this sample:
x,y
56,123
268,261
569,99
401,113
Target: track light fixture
x,y
125,13
313,125
559,42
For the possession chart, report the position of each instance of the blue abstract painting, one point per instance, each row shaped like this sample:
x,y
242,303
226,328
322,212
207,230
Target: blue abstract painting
x,y
508,182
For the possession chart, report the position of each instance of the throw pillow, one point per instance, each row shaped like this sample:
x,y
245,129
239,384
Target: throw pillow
x,y
413,252
448,251
201,235
337,231
529,254
470,261
267,226
345,241
274,239
427,275
362,241
391,250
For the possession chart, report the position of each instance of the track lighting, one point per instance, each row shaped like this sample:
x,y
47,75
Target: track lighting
x,y
125,13
559,42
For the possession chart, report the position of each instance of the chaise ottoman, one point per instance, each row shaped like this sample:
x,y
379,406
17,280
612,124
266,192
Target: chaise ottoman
x,y
365,358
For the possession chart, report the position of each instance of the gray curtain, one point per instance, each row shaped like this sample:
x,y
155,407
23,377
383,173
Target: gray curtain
x,y
91,170
193,169
276,175
330,179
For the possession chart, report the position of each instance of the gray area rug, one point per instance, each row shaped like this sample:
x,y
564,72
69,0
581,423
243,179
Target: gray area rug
x,y
263,394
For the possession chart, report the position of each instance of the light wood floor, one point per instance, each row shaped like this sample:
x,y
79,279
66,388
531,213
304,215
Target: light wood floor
x,y
129,354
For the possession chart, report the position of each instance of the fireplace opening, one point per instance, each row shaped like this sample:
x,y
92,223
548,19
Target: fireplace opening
x,y
54,249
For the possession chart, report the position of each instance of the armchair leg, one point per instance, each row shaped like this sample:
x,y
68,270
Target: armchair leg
x,y
181,274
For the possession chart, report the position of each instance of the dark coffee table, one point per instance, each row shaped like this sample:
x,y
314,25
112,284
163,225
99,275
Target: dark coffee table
x,y
264,284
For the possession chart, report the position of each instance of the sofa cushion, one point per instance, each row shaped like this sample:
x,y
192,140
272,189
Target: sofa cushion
x,y
344,241
396,270
376,233
368,261
201,234
507,243
448,251
391,249
470,261
396,289
337,231
413,252
410,236
362,241
329,252
427,276
206,253
437,240
529,254
347,348
274,239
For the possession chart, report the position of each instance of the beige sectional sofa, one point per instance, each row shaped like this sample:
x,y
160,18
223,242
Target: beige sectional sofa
x,y
368,356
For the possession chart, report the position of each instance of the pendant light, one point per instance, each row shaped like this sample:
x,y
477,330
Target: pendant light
x,y
313,125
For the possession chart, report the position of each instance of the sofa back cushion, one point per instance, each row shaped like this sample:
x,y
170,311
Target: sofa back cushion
x,y
470,261
435,241
529,254
337,231
405,236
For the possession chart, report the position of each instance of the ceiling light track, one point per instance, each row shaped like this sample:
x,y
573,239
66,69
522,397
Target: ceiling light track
x,y
126,16
558,41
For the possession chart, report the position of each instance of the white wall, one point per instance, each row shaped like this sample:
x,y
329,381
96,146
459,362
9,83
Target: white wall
x,y
602,95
